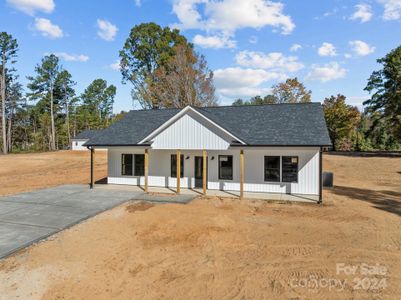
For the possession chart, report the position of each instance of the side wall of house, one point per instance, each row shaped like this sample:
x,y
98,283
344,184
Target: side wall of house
x,y
159,169
78,145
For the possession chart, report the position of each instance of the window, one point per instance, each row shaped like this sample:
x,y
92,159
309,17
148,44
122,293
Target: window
x,y
226,167
290,168
174,165
272,168
126,164
139,164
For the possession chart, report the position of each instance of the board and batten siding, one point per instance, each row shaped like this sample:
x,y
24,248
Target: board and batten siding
x,y
78,145
159,169
192,132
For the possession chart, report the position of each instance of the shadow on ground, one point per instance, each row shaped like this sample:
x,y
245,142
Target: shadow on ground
x,y
389,201
101,181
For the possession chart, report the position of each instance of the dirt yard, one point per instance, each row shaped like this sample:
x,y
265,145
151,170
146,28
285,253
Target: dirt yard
x,y
348,248
26,172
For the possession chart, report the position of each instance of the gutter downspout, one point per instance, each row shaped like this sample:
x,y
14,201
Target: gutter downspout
x,y
91,166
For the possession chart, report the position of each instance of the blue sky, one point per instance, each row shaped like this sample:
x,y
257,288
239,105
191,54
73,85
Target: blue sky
x,y
331,46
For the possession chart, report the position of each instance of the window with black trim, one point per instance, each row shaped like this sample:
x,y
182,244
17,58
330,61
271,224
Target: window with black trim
x,y
139,164
272,168
174,165
289,168
126,164
226,167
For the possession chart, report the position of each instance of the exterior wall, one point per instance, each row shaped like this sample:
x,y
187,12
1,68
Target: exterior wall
x,y
191,132
77,145
159,169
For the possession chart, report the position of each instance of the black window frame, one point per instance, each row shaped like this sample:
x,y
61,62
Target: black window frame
x,y
283,169
124,164
142,169
278,168
232,167
173,160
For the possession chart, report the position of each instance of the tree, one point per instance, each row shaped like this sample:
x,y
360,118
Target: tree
x,y
385,89
147,48
291,91
98,100
341,119
8,52
257,100
183,80
15,99
65,86
42,87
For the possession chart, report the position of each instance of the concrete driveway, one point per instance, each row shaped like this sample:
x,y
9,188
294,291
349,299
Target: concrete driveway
x,y
29,217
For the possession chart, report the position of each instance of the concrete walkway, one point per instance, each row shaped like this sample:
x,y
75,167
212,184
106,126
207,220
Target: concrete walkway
x,y
29,217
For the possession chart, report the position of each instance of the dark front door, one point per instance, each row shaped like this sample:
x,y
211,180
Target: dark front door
x,y
199,171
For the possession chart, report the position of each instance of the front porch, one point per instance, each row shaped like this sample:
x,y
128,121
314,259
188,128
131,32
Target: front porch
x,y
216,193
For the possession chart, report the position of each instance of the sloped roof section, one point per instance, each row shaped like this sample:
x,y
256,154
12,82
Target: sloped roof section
x,y
132,128
86,134
300,124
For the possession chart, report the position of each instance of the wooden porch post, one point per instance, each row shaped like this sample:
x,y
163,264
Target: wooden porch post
x,y
92,158
204,173
178,171
146,169
241,174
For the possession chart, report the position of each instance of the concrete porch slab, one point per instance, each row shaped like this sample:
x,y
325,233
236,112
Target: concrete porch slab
x,y
218,193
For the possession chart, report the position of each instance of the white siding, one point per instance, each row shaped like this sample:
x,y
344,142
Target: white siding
x,y
191,132
159,169
77,145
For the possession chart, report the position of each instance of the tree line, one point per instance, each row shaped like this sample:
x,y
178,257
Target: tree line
x,y
164,71
46,114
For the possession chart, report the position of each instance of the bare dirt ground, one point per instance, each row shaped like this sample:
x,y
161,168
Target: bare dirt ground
x,y
229,249
26,172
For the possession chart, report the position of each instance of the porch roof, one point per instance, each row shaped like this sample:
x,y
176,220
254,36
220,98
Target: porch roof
x,y
300,124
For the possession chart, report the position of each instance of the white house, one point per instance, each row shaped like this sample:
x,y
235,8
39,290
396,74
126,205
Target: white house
x,y
78,141
268,148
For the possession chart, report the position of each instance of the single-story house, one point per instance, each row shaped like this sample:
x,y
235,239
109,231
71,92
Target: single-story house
x,y
273,148
81,138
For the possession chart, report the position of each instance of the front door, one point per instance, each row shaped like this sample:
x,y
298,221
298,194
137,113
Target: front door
x,y
199,171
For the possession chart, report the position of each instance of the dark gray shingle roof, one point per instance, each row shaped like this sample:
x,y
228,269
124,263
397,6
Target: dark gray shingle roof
x,y
86,134
300,124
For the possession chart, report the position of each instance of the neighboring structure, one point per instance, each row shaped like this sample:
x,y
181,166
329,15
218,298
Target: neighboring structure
x,y
269,148
81,138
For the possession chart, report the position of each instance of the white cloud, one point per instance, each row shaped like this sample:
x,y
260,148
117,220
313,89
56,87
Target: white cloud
x,y
361,48
107,31
274,61
47,28
229,15
72,57
295,47
241,82
363,12
392,9
115,66
327,72
138,3
30,7
327,49
214,41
